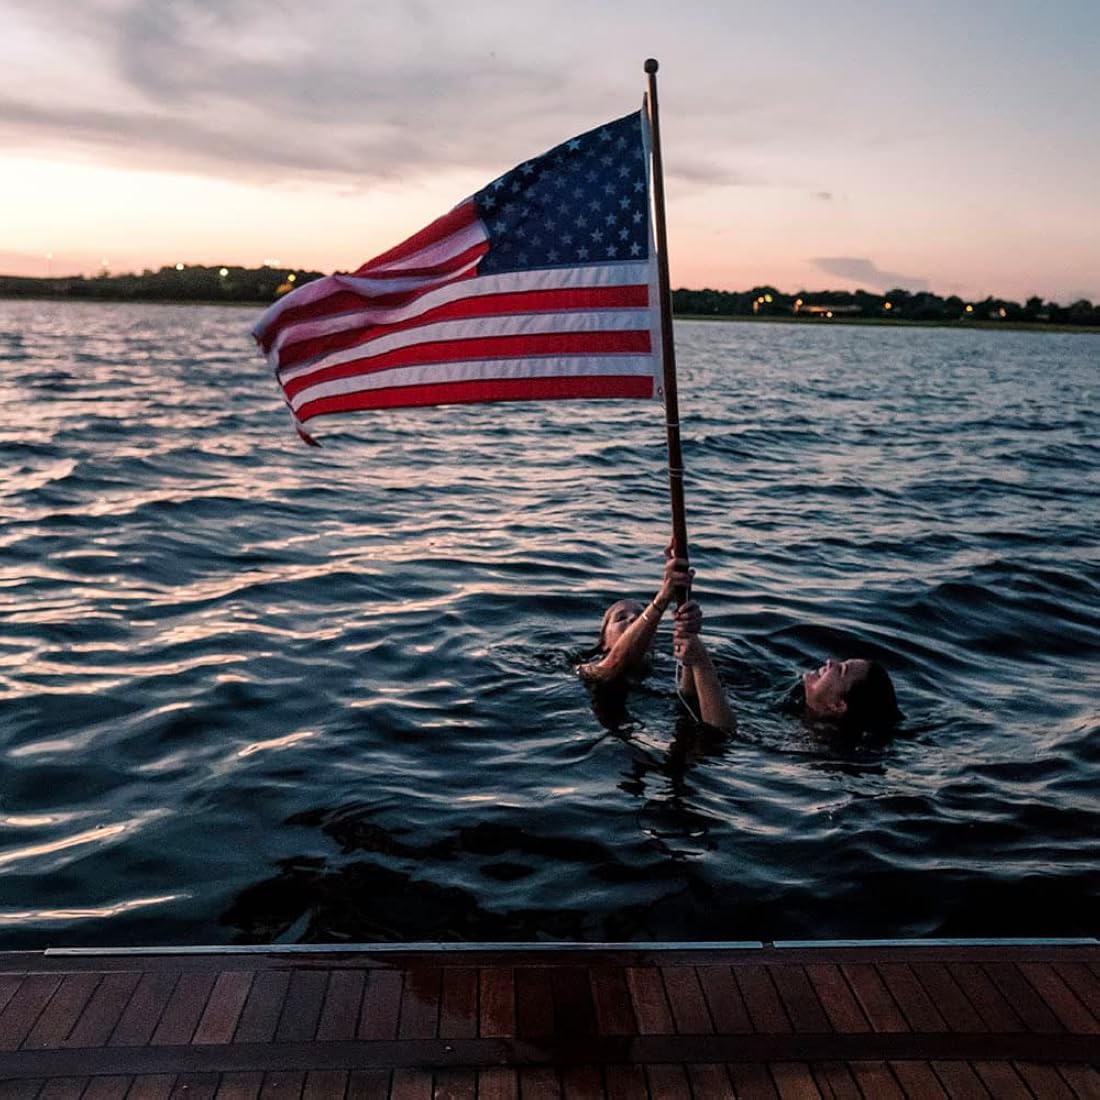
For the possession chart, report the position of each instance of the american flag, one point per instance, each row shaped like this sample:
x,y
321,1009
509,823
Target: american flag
x,y
541,285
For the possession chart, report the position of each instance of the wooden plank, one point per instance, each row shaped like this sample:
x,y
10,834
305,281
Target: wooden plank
x,y
60,1015
1026,1003
497,1083
195,1086
144,1009
709,1081
994,1010
102,1012
1083,982
496,1002
834,1081
751,1081
63,1088
153,1086
875,1079
874,998
458,1006
837,999
624,1082
340,1012
799,999
1001,1080
611,999
761,1000
918,1080
106,1088
420,1003
381,1005
9,983
667,1081
647,995
727,1007
574,1011
794,1081
26,1088
909,995
455,1084
238,1086
305,997
582,1083
1084,1080
685,998
1063,1002
411,1084
24,1008
534,1001
539,1083
325,1084
368,1084
184,1008
958,1079
223,1011
957,1011
1044,1080
263,1007
283,1085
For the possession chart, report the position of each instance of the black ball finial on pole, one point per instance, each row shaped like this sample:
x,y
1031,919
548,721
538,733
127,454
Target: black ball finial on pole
x,y
651,65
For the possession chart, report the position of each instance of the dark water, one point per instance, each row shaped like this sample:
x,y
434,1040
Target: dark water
x,y
252,692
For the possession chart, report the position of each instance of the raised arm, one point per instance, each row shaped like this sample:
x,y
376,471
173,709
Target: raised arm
x,y
630,636
700,678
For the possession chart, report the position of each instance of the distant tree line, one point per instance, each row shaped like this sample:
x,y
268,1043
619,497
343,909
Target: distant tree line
x,y
894,305
261,285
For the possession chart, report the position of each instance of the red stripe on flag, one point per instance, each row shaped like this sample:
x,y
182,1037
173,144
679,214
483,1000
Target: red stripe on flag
x,y
523,346
564,300
462,216
501,389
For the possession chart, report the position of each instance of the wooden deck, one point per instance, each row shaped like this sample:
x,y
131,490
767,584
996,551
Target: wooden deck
x,y
670,1021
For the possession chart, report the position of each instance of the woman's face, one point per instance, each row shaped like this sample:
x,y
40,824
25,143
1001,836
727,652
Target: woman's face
x,y
617,618
827,687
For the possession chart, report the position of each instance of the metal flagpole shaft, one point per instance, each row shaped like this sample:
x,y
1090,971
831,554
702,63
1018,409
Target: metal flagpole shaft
x,y
668,352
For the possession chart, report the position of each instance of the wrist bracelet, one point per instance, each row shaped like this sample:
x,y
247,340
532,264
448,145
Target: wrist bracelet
x,y
645,613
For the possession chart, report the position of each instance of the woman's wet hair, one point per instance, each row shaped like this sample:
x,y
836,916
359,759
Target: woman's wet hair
x,y
871,704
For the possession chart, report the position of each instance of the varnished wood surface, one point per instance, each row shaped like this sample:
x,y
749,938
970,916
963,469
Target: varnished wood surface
x,y
832,1021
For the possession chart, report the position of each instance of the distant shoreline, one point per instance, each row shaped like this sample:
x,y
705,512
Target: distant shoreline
x,y
200,284
877,322
871,322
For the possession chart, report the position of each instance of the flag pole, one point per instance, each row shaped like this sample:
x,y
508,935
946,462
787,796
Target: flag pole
x,y
668,351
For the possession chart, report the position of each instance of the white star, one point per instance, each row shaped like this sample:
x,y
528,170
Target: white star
x,y
635,249
612,251
638,215
597,235
527,168
573,145
552,255
605,134
582,253
624,234
639,185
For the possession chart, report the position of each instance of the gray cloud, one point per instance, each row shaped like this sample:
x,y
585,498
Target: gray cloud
x,y
866,273
272,90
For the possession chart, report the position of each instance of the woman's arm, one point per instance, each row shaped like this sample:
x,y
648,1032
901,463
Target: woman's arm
x,y
631,647
700,672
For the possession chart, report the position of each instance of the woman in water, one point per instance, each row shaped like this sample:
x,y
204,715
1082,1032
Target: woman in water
x,y
624,652
857,695
854,695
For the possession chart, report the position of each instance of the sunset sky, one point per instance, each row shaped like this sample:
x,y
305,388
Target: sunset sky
x,y
936,146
